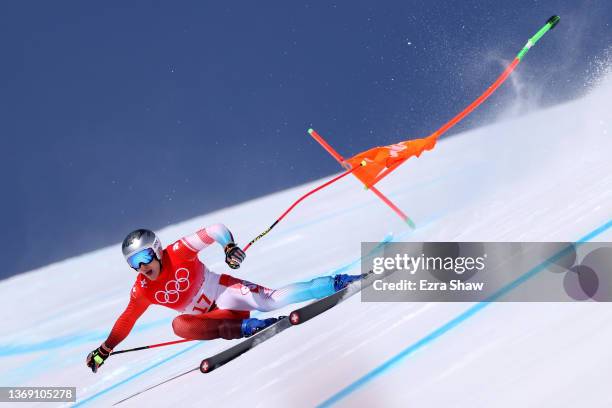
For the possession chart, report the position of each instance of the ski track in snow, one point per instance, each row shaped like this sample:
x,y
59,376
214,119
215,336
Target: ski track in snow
x,y
545,177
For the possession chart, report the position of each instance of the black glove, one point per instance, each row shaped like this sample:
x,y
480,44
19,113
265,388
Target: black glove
x,y
96,358
233,255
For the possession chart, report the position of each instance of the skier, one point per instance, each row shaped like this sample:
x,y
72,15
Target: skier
x,y
212,305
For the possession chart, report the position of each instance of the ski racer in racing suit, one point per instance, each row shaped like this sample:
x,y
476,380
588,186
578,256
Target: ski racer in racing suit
x,y
211,305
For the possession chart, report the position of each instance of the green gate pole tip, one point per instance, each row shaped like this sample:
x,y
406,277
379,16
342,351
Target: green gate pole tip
x,y
553,21
550,23
310,130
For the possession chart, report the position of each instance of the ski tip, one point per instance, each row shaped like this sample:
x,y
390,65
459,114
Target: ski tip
x,y
310,131
553,21
205,366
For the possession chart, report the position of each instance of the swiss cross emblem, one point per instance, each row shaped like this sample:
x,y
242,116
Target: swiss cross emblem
x,y
295,318
143,283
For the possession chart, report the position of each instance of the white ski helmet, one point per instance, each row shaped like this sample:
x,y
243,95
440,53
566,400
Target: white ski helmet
x,y
138,241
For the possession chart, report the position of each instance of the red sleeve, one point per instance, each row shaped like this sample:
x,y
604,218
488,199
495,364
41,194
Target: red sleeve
x,y
137,306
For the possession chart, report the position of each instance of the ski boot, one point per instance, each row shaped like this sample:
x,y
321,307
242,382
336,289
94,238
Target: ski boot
x,y
251,326
341,281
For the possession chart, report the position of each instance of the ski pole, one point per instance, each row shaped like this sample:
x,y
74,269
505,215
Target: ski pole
x,y
168,343
322,186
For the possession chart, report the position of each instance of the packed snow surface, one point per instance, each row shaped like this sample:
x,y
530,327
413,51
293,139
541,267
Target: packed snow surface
x,y
546,176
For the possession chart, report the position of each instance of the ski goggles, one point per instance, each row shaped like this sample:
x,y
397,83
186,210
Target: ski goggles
x,y
141,257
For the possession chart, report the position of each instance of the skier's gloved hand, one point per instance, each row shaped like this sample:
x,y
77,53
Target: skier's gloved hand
x,y
234,255
96,358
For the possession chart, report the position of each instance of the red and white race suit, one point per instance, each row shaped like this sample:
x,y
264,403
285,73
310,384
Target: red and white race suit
x,y
211,305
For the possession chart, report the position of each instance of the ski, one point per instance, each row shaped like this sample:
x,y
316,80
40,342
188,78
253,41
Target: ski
x,y
213,362
298,316
155,386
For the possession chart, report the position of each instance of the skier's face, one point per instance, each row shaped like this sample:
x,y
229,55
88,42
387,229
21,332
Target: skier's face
x,y
150,270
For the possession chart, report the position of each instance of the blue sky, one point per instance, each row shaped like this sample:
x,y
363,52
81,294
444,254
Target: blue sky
x,y
120,115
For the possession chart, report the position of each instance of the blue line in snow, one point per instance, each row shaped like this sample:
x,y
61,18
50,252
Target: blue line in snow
x,y
393,361
70,340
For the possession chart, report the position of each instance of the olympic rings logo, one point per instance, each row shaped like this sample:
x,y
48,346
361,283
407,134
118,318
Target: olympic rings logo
x,y
174,287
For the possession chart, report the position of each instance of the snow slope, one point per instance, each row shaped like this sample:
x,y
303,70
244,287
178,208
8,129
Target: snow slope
x,y
543,177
